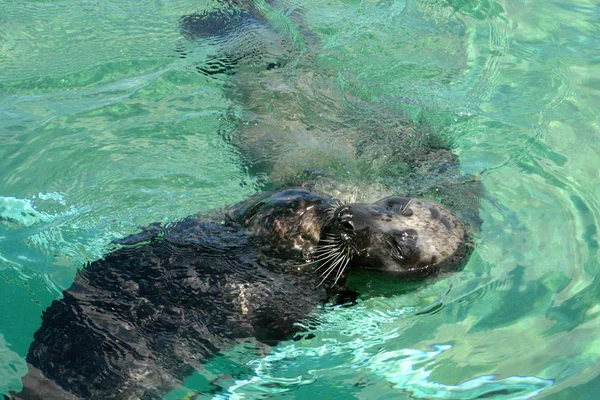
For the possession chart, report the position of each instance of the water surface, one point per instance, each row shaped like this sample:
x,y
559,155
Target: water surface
x,y
104,127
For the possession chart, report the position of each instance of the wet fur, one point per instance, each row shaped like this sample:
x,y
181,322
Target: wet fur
x,y
134,324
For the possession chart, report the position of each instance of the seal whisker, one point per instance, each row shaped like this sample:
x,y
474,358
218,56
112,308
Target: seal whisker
x,y
306,264
324,254
328,246
327,251
331,240
333,265
326,276
328,255
342,265
321,248
329,263
331,258
341,271
330,210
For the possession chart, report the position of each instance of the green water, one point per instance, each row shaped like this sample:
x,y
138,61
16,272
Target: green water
x,y
103,127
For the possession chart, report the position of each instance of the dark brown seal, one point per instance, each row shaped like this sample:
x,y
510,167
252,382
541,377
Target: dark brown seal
x,y
136,323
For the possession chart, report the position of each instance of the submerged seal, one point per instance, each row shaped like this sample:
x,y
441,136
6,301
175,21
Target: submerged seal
x,y
296,125
137,322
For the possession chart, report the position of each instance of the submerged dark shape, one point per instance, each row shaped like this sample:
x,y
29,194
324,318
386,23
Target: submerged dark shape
x,y
295,125
137,322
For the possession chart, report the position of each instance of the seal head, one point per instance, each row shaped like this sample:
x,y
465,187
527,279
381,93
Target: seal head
x,y
409,237
413,238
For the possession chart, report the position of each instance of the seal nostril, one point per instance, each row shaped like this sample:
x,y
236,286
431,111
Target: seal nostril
x,y
348,225
344,217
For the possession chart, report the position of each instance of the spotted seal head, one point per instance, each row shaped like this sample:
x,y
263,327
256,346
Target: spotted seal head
x,y
409,237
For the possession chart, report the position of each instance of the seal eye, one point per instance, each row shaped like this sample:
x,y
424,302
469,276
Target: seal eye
x,y
399,205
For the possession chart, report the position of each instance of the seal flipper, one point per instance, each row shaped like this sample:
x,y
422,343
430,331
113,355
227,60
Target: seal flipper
x,y
215,23
243,38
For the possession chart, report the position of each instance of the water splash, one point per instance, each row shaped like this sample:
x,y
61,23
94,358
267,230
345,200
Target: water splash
x,y
20,211
405,369
399,368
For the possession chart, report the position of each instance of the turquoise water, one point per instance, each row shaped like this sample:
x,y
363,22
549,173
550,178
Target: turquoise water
x,y
104,127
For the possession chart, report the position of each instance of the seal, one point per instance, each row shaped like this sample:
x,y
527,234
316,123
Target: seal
x,y
136,323
296,125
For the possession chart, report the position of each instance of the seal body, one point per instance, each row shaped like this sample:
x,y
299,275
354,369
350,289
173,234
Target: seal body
x,y
134,324
138,321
